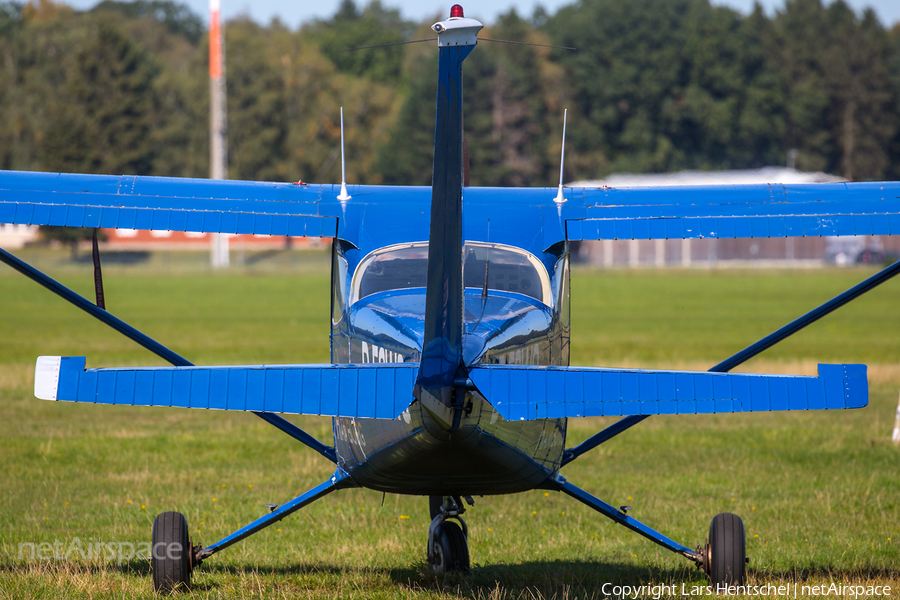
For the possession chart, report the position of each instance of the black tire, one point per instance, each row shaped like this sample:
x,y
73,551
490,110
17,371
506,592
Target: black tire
x,y
170,558
727,551
451,549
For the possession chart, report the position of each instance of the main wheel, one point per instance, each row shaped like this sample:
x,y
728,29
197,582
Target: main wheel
x,y
170,556
726,551
451,549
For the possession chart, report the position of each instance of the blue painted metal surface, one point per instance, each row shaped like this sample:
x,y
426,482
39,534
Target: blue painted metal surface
x,y
664,228
442,341
339,480
559,483
740,200
525,217
389,327
362,391
130,202
485,455
524,393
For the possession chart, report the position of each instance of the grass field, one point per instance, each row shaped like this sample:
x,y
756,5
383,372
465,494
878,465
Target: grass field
x,y
818,491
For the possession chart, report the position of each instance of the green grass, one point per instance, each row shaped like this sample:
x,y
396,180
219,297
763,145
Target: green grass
x,y
818,491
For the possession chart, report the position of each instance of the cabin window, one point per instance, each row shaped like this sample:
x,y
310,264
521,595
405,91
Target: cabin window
x,y
338,282
404,266
392,268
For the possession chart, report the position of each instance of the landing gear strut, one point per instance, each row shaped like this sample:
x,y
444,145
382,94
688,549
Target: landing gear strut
x,y
448,547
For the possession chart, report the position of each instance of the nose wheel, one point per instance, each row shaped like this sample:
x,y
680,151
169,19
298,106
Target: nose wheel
x,y
448,546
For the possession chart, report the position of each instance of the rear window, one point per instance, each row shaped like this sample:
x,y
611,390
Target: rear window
x,y
392,268
404,266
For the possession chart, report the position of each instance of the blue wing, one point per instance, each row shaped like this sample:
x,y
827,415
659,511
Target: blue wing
x,y
751,211
129,202
526,217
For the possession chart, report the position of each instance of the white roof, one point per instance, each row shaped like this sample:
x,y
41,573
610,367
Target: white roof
x,y
750,176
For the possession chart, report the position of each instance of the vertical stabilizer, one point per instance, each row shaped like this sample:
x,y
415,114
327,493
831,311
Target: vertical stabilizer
x,y
442,344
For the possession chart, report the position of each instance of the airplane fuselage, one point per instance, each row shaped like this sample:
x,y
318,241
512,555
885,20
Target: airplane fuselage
x,y
515,312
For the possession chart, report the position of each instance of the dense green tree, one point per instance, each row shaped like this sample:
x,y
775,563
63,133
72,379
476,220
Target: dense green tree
x,y
181,93
175,17
893,68
840,111
257,119
406,156
665,85
105,110
10,20
284,101
515,98
373,26
655,85
513,104
33,40
10,16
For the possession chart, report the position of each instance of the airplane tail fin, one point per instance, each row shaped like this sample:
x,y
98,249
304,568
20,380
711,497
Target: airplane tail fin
x,y
442,344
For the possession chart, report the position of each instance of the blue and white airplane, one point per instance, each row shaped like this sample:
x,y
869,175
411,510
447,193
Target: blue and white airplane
x,y
449,372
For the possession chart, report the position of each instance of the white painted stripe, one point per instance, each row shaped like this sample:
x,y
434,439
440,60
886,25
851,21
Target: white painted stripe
x,y
46,377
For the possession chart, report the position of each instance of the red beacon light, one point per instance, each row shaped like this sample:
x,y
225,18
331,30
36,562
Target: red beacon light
x,y
456,12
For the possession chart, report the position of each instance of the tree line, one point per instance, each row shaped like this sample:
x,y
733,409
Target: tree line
x,y
654,86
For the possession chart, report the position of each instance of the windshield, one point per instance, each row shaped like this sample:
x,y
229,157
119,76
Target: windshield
x,y
403,266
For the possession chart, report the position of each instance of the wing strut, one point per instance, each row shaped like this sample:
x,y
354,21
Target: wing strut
x,y
808,319
94,310
340,480
149,343
619,515
746,354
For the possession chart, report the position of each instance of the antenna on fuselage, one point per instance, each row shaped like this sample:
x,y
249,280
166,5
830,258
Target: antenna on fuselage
x,y
343,196
562,161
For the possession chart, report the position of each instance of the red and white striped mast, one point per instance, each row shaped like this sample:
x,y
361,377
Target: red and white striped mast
x,y
218,156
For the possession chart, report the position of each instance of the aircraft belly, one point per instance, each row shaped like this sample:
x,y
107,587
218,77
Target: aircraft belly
x,y
486,455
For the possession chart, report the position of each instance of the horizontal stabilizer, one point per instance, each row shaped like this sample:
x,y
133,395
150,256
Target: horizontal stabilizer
x,y
665,228
530,392
380,391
